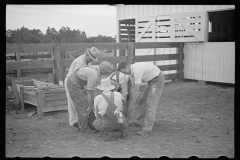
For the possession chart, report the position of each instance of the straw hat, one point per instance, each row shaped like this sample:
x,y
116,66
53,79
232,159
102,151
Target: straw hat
x,y
94,53
105,85
105,65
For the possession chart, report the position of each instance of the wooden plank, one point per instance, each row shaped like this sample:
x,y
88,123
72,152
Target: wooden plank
x,y
132,32
54,90
143,25
140,45
22,97
173,8
199,61
193,20
183,33
221,61
15,91
25,82
180,61
55,103
48,109
185,60
163,34
150,10
155,57
181,27
36,56
38,47
130,51
31,99
186,39
171,76
126,36
40,103
162,28
180,8
162,39
168,67
84,46
18,58
167,8
145,40
50,94
125,28
40,64
160,23
160,18
232,66
56,97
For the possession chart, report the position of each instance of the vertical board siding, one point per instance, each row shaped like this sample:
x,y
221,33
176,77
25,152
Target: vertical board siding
x,y
155,8
167,8
161,9
134,11
179,8
145,11
211,61
186,8
173,8
150,10
135,7
140,8
126,9
198,61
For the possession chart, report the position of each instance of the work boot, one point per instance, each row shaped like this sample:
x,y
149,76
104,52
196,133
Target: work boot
x,y
143,133
75,124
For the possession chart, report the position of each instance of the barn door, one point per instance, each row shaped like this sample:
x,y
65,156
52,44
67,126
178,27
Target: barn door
x,y
189,27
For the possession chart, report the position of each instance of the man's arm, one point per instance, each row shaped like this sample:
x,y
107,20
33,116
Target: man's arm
x,y
135,93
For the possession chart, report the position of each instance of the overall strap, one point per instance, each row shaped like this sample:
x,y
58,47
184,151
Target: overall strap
x,y
91,67
110,101
111,108
117,76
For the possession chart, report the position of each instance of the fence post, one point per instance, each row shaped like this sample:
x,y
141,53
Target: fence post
x,y
58,56
130,52
18,56
54,57
114,55
180,61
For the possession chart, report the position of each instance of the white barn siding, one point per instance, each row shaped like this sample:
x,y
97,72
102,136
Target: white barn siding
x,y
134,11
210,61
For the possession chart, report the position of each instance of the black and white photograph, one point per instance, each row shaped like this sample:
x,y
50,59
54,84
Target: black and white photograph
x,y
120,81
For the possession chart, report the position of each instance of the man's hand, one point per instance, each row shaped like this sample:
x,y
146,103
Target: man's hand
x,y
89,110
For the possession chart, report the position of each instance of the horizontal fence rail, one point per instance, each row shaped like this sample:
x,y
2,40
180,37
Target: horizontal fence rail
x,y
59,63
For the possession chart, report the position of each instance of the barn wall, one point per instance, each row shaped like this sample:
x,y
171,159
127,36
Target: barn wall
x,y
210,61
134,11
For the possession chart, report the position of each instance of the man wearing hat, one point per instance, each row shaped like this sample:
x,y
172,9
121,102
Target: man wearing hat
x,y
143,72
91,55
108,109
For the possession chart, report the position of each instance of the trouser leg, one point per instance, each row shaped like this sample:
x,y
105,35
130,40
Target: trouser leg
x,y
79,98
71,108
155,91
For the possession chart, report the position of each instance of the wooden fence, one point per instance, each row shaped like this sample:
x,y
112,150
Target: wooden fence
x,y
59,63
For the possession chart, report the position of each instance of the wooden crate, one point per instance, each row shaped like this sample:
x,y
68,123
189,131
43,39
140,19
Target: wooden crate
x,y
46,100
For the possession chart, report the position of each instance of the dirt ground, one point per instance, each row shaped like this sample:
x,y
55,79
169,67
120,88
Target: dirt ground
x,y
193,119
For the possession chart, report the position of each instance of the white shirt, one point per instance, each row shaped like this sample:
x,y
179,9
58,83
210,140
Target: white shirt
x,y
123,80
77,63
144,72
102,104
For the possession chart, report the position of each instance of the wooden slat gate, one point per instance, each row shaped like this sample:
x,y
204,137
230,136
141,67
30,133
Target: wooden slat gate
x,y
176,27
